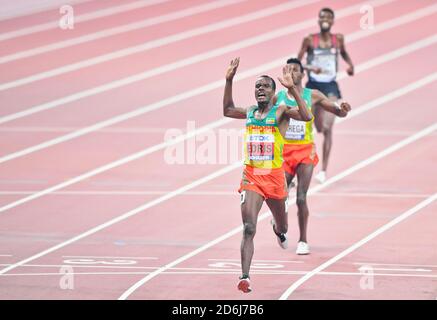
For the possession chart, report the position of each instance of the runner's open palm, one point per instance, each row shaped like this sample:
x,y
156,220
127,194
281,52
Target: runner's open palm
x,y
287,77
232,69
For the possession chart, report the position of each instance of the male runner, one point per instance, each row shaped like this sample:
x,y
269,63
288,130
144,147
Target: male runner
x,y
299,153
322,63
263,176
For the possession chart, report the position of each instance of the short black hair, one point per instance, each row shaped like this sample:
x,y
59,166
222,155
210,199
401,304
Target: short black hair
x,y
271,79
296,61
327,10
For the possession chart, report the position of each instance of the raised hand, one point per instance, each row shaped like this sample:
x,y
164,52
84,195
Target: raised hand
x,y
232,69
316,70
287,79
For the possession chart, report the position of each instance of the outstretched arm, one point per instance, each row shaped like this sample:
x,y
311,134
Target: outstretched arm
x,y
229,109
345,55
301,112
340,110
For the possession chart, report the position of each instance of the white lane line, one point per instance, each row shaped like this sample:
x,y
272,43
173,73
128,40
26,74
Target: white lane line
x,y
133,130
155,43
114,164
396,264
215,85
142,130
223,273
118,30
359,244
403,269
13,9
373,195
336,178
203,57
218,84
124,193
407,89
80,18
105,257
84,266
255,261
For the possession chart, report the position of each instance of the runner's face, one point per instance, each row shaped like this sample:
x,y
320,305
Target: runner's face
x,y
326,20
296,73
263,90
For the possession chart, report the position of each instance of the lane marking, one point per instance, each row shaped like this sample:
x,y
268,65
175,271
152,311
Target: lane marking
x,y
117,30
257,272
18,9
359,244
80,18
396,264
216,193
106,257
210,54
279,261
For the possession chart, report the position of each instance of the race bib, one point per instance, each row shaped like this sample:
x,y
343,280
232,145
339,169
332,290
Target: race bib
x,y
296,130
260,147
327,62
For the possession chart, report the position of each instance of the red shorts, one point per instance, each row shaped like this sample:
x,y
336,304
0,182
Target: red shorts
x,y
269,183
295,154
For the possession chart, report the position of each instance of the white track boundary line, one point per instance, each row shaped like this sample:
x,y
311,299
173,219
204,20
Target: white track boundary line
x,y
338,177
118,30
18,9
208,55
135,156
215,85
359,244
154,44
395,264
227,235
221,273
111,257
213,193
80,18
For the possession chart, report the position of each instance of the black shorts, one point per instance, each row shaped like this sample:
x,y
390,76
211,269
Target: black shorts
x,y
327,88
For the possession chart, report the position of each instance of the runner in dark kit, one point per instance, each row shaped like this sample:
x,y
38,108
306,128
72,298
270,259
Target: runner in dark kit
x,y
322,51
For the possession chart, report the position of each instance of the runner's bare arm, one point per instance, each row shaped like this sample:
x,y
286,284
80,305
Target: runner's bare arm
x,y
300,112
306,45
350,70
304,48
339,110
229,109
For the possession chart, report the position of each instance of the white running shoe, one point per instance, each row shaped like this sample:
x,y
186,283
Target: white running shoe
x,y
302,248
280,237
321,176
